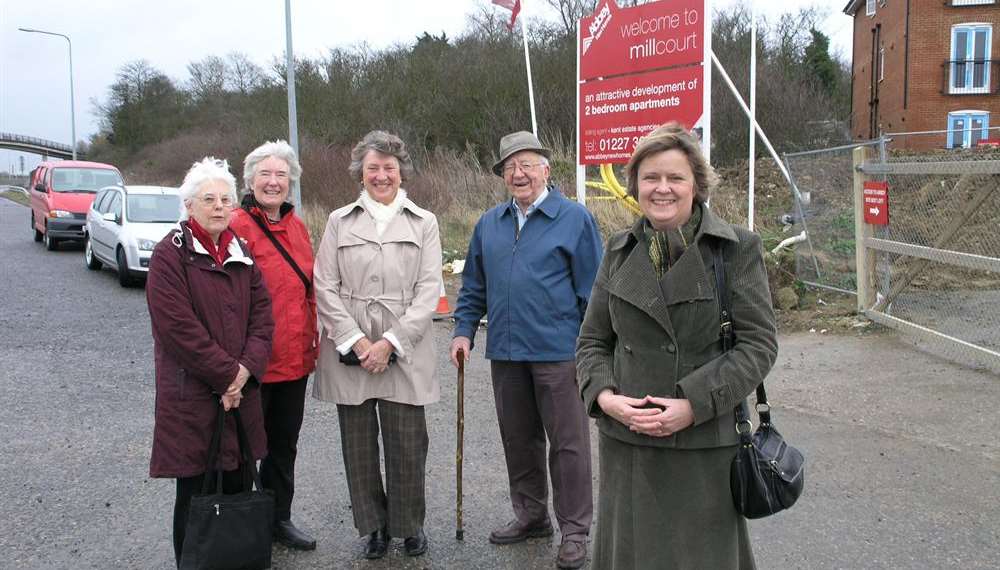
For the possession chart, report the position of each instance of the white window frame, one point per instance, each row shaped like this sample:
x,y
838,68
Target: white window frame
x,y
968,69
870,7
966,134
971,2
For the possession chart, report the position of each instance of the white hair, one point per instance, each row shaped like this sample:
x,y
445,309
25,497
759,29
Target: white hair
x,y
206,170
278,149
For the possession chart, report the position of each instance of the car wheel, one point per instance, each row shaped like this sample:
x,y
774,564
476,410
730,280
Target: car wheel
x,y
38,234
51,243
88,256
124,275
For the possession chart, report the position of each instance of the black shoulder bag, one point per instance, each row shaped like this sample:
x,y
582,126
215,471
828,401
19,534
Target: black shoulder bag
x,y
229,531
284,253
767,473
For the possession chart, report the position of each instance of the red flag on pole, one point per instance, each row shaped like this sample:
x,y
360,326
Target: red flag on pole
x,y
515,8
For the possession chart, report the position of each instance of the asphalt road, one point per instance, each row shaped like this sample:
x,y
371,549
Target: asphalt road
x,y
903,461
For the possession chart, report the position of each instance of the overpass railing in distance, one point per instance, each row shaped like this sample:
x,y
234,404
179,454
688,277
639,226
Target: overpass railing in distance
x,y
35,141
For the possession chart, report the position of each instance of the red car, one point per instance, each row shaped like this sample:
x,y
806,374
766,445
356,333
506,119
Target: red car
x,y
61,193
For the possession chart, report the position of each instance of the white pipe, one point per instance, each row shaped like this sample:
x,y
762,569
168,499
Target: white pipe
x,y
789,241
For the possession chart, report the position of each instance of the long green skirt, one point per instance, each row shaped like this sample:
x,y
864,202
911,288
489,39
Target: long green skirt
x,y
667,509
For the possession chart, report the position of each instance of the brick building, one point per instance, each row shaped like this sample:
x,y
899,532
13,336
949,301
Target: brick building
x,y
925,65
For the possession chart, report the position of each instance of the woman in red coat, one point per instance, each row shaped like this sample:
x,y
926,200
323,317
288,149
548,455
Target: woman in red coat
x,y
280,244
211,318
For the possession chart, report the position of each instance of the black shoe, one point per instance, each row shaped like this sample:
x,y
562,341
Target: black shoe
x,y
416,544
378,544
286,533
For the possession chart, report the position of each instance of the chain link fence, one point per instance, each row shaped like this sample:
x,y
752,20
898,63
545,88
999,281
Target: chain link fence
x,y
824,215
933,270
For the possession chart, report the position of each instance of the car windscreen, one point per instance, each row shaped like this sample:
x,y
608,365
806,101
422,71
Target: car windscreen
x,y
153,208
84,179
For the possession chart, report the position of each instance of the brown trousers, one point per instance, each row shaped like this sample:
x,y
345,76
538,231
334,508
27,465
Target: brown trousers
x,y
535,399
400,505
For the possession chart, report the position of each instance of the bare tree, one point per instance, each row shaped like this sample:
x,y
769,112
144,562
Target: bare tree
x,y
243,75
208,77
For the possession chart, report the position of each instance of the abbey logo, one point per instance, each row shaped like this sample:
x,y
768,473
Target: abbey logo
x,y
598,26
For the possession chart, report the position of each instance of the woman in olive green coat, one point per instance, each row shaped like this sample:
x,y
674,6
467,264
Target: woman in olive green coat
x,y
653,373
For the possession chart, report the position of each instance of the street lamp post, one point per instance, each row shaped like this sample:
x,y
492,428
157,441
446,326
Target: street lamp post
x,y
293,127
72,104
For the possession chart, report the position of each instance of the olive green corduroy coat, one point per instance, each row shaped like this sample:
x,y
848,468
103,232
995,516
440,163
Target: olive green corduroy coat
x,y
644,336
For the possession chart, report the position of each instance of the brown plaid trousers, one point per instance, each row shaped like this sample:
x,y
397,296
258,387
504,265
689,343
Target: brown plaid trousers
x,y
400,504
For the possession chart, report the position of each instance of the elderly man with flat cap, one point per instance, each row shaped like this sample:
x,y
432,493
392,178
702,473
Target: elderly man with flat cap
x,y
531,263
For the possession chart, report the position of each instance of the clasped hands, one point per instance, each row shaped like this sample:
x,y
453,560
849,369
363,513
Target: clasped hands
x,y
374,356
234,393
652,416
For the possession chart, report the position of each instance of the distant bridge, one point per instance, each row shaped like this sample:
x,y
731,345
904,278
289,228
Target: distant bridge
x,y
48,149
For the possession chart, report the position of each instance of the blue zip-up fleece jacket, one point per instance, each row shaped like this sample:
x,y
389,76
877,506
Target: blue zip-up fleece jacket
x,y
533,285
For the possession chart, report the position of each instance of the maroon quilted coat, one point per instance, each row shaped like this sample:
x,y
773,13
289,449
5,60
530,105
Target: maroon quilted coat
x,y
206,320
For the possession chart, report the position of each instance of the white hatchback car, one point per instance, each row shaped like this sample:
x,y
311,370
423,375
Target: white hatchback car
x,y
124,224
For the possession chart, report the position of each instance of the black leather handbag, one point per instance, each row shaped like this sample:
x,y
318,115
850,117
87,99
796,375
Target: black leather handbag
x,y
226,532
767,474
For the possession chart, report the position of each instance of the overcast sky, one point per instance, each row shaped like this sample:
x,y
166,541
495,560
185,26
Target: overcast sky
x,y
34,68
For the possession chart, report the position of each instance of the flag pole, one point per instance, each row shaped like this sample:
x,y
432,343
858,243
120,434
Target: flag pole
x,y
527,65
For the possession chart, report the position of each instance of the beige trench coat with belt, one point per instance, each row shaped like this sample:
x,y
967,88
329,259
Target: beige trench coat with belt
x,y
371,285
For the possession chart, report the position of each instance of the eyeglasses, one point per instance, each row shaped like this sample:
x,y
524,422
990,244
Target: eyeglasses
x,y
210,199
524,166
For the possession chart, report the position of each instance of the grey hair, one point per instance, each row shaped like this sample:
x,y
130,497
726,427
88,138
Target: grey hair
x,y
205,170
383,143
278,149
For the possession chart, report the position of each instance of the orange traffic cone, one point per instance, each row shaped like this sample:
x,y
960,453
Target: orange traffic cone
x,y
443,308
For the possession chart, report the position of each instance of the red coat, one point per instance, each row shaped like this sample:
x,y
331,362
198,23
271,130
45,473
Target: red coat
x,y
293,354
206,320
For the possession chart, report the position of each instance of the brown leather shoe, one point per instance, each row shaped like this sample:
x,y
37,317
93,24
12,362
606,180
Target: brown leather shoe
x,y
572,553
515,531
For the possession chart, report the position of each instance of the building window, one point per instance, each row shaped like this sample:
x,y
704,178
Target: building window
x,y
971,2
970,64
870,7
967,128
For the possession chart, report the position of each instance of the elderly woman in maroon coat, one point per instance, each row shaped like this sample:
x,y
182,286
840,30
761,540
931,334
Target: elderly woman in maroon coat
x,y
212,326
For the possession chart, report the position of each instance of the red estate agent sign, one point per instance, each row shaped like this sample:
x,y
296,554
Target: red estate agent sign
x,y
627,46
876,202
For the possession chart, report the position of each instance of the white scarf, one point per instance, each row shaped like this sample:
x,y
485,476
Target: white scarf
x,y
382,213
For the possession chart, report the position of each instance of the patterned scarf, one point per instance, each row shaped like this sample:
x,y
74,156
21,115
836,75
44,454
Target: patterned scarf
x,y
665,248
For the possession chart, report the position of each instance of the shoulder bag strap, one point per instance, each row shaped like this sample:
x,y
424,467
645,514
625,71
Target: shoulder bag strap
x,y
212,464
284,253
247,464
743,425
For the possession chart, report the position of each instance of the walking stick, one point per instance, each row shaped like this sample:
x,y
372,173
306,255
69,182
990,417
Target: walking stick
x,y
460,430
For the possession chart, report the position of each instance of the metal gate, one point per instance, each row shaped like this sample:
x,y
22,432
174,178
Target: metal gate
x,y
932,271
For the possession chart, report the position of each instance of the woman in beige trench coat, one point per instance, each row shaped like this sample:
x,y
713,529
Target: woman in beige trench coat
x,y
378,279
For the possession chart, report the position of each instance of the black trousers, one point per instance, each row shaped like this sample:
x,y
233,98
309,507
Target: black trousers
x,y
187,487
283,405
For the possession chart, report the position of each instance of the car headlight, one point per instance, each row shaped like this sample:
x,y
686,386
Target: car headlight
x,y
145,244
60,214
